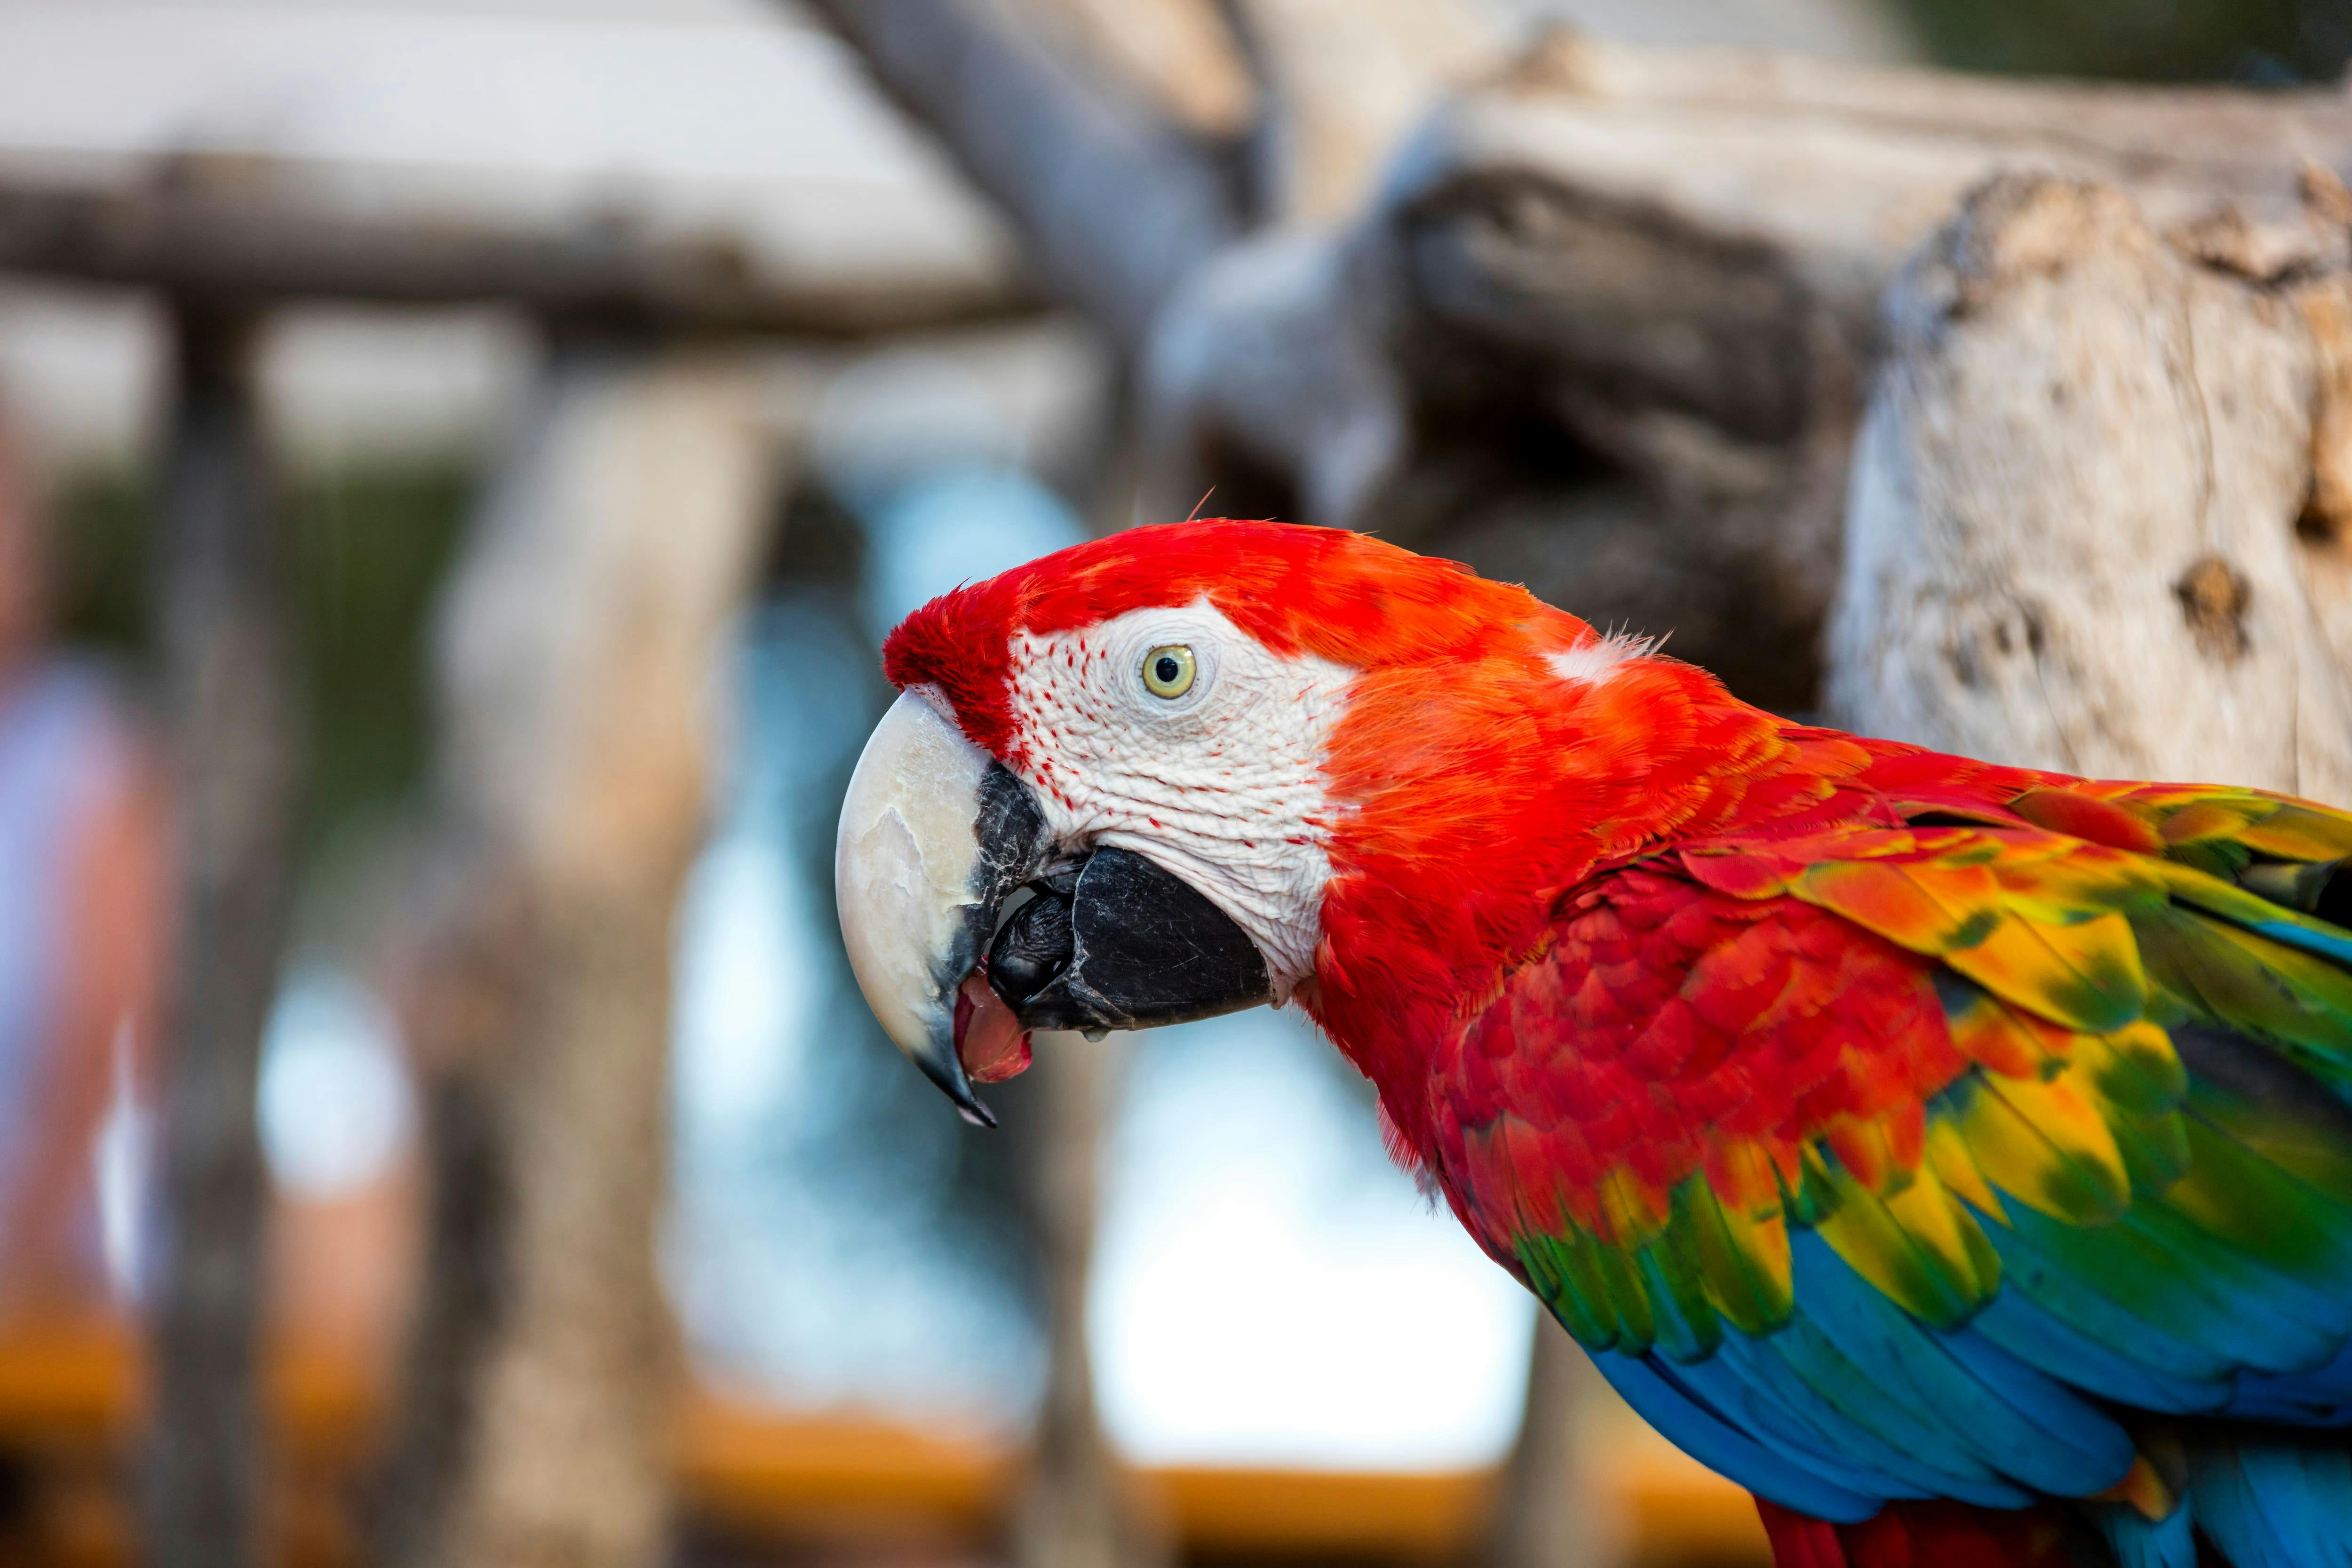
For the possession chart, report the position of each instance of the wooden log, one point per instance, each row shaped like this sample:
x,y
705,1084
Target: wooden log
x,y
579,671
222,649
1659,269
2074,538
248,240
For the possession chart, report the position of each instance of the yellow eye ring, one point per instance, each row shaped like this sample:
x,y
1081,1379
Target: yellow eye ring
x,y
1167,671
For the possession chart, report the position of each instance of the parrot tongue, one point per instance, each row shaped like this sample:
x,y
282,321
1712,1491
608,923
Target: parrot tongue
x,y
988,1039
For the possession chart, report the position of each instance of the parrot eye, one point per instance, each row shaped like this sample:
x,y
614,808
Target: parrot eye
x,y
1167,671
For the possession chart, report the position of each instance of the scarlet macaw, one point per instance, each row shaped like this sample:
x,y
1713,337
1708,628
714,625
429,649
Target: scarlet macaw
x,y
1959,1157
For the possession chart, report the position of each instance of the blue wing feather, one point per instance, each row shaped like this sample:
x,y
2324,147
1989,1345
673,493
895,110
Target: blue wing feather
x,y
1696,1428
2065,1447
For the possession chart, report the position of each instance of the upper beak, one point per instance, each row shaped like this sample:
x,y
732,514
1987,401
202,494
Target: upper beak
x,y
935,835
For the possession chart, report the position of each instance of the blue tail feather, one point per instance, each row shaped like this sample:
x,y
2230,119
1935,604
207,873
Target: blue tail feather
x,y
1695,1427
1800,1392
2138,1543
2011,1420
2020,1326
2320,1397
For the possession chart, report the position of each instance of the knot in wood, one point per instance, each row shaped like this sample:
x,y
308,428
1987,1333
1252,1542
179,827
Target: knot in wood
x,y
2214,596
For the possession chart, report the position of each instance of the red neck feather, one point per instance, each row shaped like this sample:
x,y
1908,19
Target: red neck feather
x,y
1475,796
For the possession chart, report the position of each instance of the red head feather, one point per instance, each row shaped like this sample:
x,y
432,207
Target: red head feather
x,y
1338,595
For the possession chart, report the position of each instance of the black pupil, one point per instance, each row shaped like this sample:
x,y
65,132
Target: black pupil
x,y
1166,669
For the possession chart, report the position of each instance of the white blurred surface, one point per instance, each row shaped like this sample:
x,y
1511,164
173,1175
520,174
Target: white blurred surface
x,y
1844,29
336,1109
1268,1288
749,127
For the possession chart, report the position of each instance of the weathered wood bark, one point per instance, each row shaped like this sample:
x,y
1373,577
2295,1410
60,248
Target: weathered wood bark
x,y
224,659
460,972
579,668
2085,532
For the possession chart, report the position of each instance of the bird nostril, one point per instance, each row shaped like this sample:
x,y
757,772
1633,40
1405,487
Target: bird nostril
x,y
1032,949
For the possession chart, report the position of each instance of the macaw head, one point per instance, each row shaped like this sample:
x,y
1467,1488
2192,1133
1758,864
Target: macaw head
x,y
1192,768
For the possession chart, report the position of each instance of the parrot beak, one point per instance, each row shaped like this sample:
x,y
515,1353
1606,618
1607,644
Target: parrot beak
x,y
935,837
934,834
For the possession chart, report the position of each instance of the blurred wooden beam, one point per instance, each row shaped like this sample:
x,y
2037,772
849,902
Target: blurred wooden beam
x,y
1345,81
228,701
245,237
1181,55
1117,200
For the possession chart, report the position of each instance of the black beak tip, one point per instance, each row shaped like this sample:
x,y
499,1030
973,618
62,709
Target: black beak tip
x,y
950,1076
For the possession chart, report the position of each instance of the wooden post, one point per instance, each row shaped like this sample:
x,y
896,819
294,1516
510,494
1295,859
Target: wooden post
x,y
579,671
1551,1515
1076,1509
462,976
227,696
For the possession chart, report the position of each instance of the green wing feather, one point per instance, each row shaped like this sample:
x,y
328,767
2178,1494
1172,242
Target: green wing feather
x,y
2036,1104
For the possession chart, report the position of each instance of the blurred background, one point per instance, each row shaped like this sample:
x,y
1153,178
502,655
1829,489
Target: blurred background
x,y
457,464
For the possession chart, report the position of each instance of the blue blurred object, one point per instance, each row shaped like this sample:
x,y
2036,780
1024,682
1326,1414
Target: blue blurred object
x,y
817,1248
58,742
956,526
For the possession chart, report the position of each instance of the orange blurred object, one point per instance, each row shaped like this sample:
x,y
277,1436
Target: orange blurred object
x,y
765,1480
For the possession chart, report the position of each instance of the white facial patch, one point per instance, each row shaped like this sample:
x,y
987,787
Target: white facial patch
x,y
1222,785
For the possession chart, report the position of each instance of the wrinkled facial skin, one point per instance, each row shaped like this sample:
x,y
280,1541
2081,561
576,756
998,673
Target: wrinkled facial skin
x,y
1221,786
